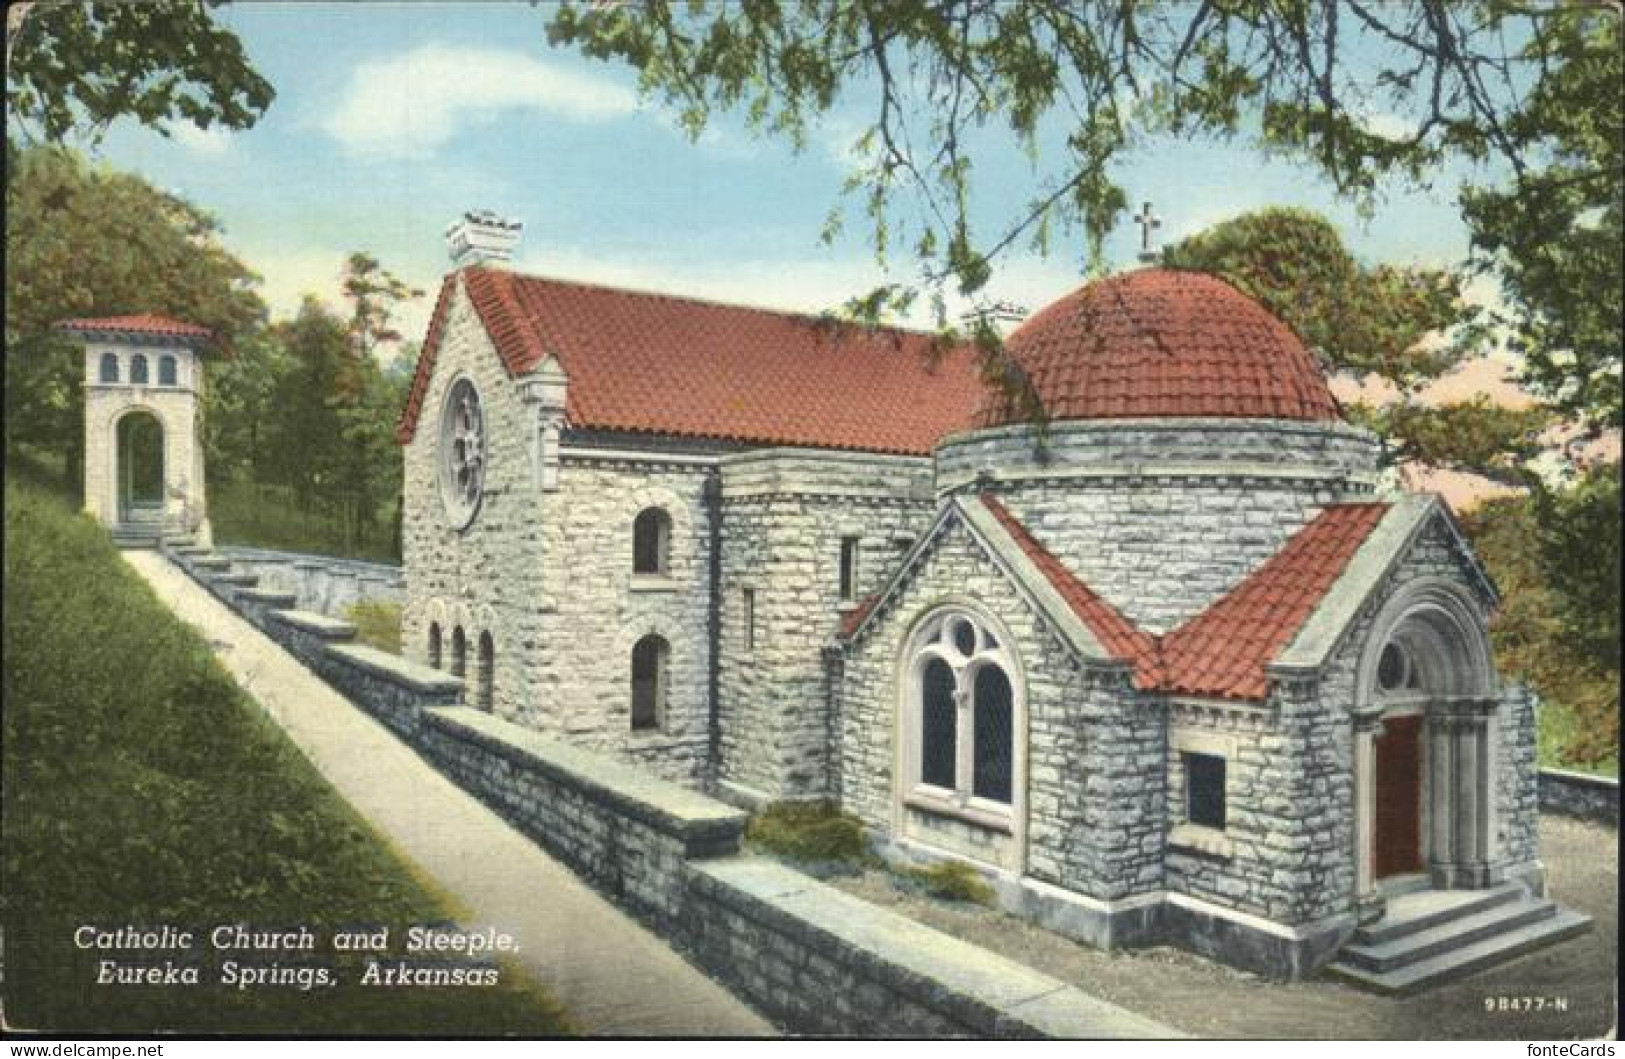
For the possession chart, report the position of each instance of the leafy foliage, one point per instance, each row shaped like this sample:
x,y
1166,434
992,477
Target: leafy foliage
x,y
84,241
1402,326
1309,78
1556,560
1553,236
809,831
949,880
74,67
142,787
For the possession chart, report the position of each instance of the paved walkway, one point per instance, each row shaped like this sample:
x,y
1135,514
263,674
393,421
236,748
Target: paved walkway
x,y
614,977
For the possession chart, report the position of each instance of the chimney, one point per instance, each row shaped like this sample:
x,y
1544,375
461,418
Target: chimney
x,y
482,237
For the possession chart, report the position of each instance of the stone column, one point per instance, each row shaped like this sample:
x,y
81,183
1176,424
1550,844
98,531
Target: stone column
x,y
1369,903
1461,777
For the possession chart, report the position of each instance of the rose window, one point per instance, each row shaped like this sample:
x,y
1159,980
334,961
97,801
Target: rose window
x,y
462,453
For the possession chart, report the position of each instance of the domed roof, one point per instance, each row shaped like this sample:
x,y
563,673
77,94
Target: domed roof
x,y
1161,343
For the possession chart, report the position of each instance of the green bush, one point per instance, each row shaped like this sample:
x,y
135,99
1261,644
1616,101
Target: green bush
x,y
809,831
141,786
950,880
377,624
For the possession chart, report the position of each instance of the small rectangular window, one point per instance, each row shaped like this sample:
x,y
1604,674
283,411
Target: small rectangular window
x,y
849,568
1204,790
748,606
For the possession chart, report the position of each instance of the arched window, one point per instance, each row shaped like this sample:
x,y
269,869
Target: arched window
x,y
994,719
166,371
962,714
138,369
650,661
487,662
651,541
459,652
109,367
434,644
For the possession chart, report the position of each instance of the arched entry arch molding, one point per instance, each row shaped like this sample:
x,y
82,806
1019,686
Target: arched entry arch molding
x,y
1426,701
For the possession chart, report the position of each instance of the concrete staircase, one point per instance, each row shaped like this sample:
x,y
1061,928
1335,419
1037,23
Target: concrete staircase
x,y
1431,937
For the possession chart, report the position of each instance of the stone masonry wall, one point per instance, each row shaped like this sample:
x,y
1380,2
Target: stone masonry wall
x,y
812,959
592,609
1163,517
784,516
320,583
487,577
1091,822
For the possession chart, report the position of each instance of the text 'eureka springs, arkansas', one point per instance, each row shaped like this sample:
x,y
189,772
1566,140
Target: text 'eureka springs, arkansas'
x,y
241,956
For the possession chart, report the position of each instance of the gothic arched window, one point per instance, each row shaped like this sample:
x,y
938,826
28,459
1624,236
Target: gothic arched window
x,y
459,652
138,369
651,541
651,658
434,644
109,367
166,371
487,684
961,713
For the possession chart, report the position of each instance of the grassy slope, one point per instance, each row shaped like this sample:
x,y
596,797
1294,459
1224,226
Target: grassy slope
x,y
142,787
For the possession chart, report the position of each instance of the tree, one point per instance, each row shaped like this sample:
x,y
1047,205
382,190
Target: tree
x,y
1360,90
374,294
1553,238
74,67
83,241
1404,327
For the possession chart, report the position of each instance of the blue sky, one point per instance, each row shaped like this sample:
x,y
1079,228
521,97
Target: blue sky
x,y
392,119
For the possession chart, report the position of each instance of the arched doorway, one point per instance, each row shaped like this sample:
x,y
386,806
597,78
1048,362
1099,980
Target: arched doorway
x,y
140,443
1426,714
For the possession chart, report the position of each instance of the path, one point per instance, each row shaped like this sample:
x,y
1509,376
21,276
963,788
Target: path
x,y
616,978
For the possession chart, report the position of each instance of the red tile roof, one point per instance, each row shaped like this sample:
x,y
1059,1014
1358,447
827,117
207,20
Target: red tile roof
x,y
141,324
1156,342
1222,652
1121,638
678,366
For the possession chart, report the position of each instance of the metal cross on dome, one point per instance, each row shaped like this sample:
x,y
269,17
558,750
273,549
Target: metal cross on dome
x,y
1148,223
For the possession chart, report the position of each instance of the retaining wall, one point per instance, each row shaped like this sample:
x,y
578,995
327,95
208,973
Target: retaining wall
x,y
807,956
1580,795
320,583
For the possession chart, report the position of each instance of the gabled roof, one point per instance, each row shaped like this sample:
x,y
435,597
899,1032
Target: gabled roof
x,y
653,363
1121,638
140,325
1222,652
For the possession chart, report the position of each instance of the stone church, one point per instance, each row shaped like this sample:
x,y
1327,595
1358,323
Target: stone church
x,y
1159,661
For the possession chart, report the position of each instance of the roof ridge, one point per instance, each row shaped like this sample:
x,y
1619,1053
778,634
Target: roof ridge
x,y
825,318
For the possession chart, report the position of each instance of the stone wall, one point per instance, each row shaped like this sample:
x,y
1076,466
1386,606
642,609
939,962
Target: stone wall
x,y
485,578
592,609
785,513
1579,795
1163,518
320,583
810,958
619,828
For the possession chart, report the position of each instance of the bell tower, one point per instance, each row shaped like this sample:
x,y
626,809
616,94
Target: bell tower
x,y
143,456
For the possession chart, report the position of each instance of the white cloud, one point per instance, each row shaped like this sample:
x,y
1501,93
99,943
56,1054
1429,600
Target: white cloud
x,y
214,141
406,105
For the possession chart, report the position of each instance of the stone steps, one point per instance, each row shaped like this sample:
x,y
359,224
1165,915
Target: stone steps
x,y
1430,938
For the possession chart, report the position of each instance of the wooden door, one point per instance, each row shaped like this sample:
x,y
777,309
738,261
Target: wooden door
x,y
1397,843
